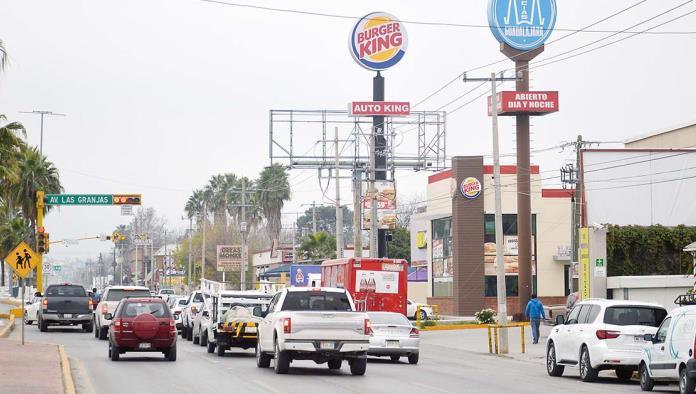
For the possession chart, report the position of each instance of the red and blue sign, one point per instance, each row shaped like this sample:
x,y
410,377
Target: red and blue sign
x,y
300,274
522,24
378,41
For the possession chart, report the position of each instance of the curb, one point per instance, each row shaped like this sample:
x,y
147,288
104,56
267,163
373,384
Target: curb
x,y
10,301
7,330
454,327
68,383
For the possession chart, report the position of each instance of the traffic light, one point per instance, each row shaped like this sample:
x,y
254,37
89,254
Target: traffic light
x,y
127,199
117,237
47,243
42,237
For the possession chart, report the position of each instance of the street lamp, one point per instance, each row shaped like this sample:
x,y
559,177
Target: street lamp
x,y
41,113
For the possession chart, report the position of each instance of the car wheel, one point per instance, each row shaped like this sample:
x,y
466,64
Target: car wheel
x,y
413,358
686,384
395,358
204,338
587,373
552,367
282,360
358,366
196,339
211,347
335,364
171,354
263,360
87,327
189,333
95,328
646,382
423,315
624,375
26,319
43,326
113,352
220,351
103,332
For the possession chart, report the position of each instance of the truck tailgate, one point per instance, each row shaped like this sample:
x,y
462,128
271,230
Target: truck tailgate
x,y
327,325
75,305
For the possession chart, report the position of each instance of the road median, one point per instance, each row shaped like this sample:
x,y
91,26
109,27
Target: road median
x,y
6,329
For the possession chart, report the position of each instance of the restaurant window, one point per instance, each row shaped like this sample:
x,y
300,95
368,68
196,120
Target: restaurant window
x,y
442,257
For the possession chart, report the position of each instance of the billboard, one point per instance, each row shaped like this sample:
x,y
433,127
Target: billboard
x,y
229,258
510,256
378,41
386,205
385,282
304,275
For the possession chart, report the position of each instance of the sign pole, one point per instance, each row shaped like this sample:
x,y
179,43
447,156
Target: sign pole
x,y
380,162
23,288
39,223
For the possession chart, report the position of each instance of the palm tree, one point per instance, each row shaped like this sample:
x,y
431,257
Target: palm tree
x,y
215,198
194,205
12,231
318,246
11,145
35,173
273,190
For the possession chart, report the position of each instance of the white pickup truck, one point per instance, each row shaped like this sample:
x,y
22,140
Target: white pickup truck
x,y
318,324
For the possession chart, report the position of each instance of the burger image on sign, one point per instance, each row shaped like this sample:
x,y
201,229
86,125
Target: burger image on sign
x,y
471,188
378,41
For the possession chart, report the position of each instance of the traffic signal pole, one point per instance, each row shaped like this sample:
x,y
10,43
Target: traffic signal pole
x,y
39,223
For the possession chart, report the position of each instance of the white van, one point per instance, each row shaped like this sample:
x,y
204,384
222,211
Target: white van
x,y
669,355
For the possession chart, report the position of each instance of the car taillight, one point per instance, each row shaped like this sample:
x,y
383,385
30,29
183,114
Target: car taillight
x,y
607,334
287,325
90,303
117,325
367,327
414,333
44,303
177,312
104,309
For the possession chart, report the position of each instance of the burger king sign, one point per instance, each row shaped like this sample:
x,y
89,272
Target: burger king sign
x,y
378,41
471,188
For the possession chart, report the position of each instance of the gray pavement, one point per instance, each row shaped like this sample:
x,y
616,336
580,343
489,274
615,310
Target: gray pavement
x,y
451,362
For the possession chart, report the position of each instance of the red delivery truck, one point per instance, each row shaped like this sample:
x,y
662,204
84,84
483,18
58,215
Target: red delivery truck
x,y
375,284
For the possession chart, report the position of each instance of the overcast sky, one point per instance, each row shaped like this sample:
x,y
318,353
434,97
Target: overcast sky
x,y
162,94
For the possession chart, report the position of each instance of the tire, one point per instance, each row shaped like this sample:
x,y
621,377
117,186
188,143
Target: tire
x,y
282,361
211,347
552,367
171,354
26,320
335,364
395,358
88,327
686,384
183,332
43,326
587,373
103,332
263,360
113,352
189,333
196,339
413,358
423,315
95,328
646,382
358,366
624,375
221,351
204,338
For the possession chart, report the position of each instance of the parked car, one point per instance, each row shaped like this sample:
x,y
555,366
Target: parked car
x,y
142,325
31,309
318,324
600,335
670,354
176,305
393,336
110,299
65,304
426,311
201,323
189,312
551,311
165,294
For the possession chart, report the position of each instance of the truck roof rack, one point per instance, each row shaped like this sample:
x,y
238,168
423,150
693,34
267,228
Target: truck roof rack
x,y
685,299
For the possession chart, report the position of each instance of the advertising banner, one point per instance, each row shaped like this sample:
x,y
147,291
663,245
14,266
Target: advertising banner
x,y
510,259
584,253
229,258
522,24
303,275
386,205
534,103
379,108
377,282
378,41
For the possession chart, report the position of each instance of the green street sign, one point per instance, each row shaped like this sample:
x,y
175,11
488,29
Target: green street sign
x,y
56,267
599,262
79,199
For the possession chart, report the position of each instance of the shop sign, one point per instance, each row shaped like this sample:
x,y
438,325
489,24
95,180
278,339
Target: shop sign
x,y
380,108
534,103
378,41
522,24
471,188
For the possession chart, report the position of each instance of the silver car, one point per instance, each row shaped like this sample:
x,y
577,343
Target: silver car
x,y
394,336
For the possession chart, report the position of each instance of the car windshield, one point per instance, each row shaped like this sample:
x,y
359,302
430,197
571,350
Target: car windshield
x,y
119,294
166,291
198,297
133,309
65,291
389,319
316,301
182,301
634,316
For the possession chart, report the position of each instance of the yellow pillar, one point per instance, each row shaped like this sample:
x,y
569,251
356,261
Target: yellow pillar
x,y
39,223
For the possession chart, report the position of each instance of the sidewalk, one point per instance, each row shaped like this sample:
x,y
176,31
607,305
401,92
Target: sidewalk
x,y
34,368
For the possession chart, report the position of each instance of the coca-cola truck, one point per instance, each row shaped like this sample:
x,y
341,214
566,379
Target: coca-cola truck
x,y
375,284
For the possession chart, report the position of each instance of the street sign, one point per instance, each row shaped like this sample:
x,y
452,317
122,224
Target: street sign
x,y
22,259
57,267
600,269
46,267
70,241
126,210
79,199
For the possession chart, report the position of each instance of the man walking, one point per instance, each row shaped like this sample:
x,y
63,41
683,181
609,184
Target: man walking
x,y
534,313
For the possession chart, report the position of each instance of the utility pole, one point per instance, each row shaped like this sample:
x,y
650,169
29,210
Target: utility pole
x,y
101,271
242,230
357,214
190,254
339,209
203,247
42,114
373,199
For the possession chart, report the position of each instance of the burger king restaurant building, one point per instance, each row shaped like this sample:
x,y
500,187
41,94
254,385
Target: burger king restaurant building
x,y
454,239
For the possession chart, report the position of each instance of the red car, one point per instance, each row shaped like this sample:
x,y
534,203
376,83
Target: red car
x,y
142,325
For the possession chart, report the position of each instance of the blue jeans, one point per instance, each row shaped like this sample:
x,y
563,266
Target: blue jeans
x,y
535,329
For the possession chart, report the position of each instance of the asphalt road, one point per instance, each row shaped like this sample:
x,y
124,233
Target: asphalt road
x,y
443,368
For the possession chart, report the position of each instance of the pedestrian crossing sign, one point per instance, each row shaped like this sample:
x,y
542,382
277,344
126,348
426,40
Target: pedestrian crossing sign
x,y
22,259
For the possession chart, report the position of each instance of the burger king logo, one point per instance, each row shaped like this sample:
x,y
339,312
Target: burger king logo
x,y
378,41
471,188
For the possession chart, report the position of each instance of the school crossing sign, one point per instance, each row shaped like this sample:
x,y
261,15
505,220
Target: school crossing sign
x,y
22,259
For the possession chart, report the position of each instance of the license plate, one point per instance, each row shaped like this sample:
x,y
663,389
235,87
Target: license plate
x,y
326,345
638,339
73,315
145,346
250,330
392,343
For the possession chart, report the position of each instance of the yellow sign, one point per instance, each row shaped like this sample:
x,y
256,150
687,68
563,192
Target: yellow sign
x,y
421,242
22,259
584,253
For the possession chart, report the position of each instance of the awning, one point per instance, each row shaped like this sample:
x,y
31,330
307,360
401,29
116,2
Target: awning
x,y
276,272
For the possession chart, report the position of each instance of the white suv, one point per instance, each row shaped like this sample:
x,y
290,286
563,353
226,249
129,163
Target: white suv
x,y
602,334
110,299
668,356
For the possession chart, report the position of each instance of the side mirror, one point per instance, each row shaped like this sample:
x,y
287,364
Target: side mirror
x,y
648,337
560,320
38,294
206,314
108,316
258,312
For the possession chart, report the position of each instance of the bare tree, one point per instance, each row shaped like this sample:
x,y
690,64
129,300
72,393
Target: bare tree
x,y
406,207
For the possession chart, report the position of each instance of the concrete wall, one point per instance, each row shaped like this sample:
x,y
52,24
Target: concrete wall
x,y
681,137
418,291
662,289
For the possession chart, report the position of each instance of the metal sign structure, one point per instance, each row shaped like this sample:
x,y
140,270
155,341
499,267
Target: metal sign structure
x,y
229,258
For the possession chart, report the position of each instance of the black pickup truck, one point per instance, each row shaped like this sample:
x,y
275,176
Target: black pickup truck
x,y
65,305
